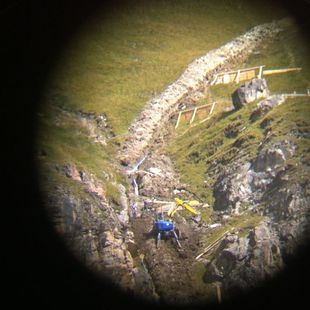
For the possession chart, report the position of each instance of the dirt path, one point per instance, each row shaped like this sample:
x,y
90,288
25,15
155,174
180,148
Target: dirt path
x,y
169,267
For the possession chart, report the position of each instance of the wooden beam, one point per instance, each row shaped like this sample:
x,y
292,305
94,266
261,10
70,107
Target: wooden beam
x,y
260,73
198,108
213,244
241,70
218,293
277,71
178,120
193,116
238,77
214,80
212,108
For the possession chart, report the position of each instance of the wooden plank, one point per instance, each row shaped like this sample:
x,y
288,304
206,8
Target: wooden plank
x,y
241,70
198,107
277,71
178,121
212,108
193,116
260,72
238,77
218,293
213,82
186,116
213,244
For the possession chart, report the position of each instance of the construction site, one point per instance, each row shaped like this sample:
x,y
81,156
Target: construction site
x,y
175,161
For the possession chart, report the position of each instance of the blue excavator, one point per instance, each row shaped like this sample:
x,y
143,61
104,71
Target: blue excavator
x,y
164,227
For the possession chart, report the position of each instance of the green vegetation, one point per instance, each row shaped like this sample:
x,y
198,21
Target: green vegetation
x,y
242,223
64,140
228,135
117,63
120,60
209,290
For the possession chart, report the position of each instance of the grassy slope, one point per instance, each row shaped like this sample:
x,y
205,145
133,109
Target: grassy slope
x,y
120,61
117,64
195,149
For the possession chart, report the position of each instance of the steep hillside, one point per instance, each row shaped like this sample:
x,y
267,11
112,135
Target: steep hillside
x,y
98,155
253,171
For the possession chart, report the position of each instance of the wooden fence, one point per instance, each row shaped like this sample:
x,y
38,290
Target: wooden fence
x,y
201,112
295,94
247,74
204,112
238,75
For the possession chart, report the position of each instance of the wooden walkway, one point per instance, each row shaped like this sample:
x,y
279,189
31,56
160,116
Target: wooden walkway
x,y
246,74
204,112
201,112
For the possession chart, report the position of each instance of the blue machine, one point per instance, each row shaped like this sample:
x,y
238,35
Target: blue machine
x,y
164,227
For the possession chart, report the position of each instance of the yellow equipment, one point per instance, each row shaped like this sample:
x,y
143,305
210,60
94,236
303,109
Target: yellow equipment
x,y
181,203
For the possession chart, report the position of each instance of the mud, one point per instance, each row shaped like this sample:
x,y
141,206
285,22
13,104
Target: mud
x,y
171,268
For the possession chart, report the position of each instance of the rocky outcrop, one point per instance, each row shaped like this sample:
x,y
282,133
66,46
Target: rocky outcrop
x,y
157,177
246,182
249,92
157,111
244,262
267,185
97,233
266,105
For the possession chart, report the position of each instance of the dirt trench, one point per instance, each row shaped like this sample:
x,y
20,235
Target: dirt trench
x,y
172,270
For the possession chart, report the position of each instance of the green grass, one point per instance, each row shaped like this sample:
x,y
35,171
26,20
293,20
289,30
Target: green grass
x,y
242,223
117,63
195,149
64,140
208,290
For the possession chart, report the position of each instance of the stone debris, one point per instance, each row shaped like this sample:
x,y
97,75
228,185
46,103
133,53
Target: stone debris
x,y
249,92
266,105
247,182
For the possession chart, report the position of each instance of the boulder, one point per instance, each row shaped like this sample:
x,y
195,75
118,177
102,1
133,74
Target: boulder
x,y
249,92
266,105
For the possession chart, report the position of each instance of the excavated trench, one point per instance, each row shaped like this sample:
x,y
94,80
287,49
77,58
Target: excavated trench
x,y
150,171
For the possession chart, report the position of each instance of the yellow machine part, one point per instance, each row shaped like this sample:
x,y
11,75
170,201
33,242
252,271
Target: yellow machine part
x,y
185,205
173,210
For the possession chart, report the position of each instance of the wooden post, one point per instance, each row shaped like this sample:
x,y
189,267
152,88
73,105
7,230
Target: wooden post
x,y
218,293
260,73
213,105
193,116
179,117
238,77
277,71
214,80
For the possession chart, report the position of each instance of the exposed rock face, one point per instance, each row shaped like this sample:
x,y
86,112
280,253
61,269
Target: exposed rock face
x,y
157,177
157,111
249,92
266,105
243,262
265,185
97,234
247,182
